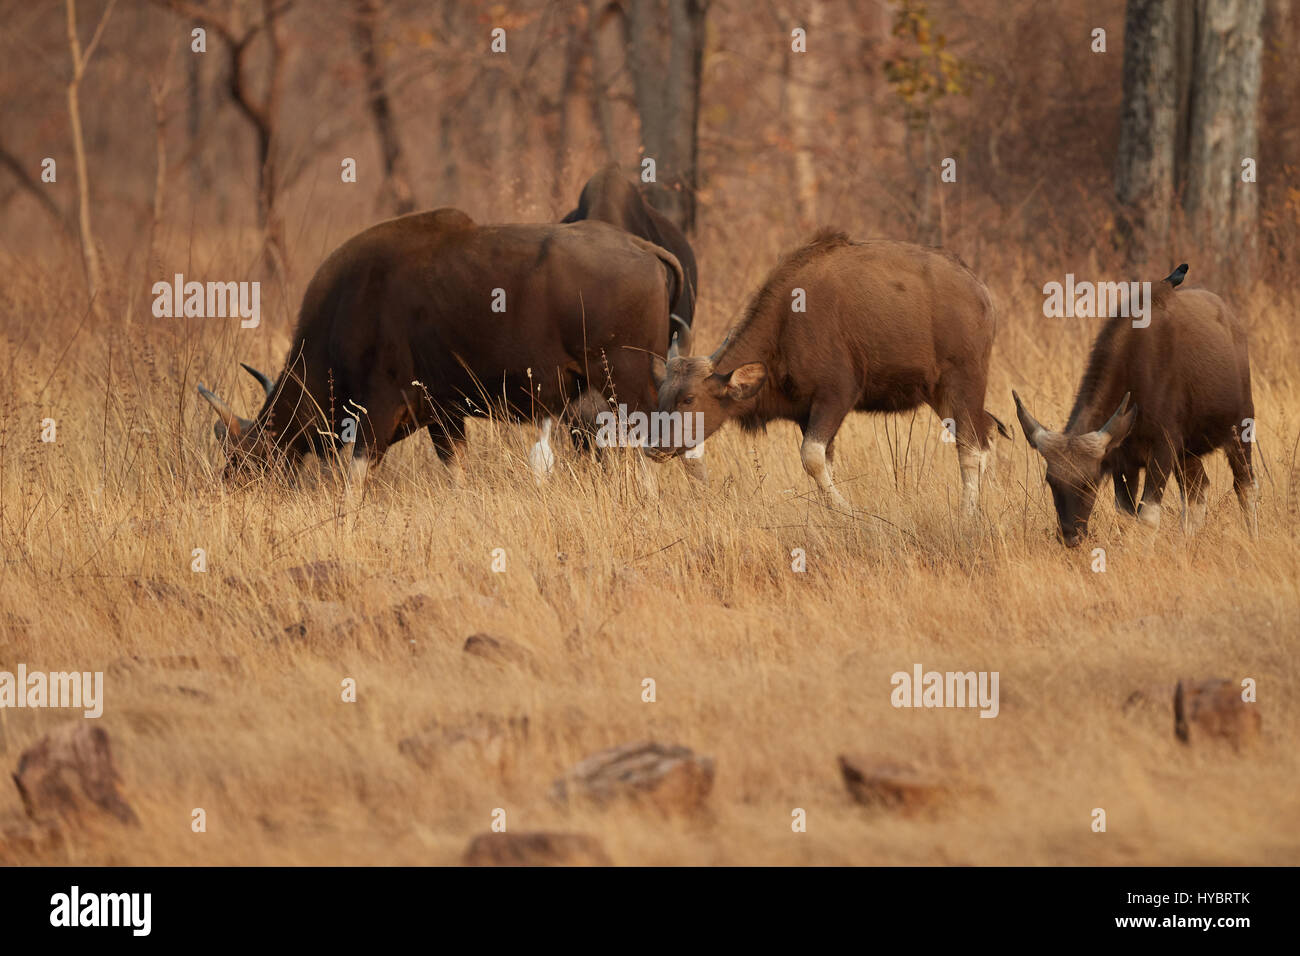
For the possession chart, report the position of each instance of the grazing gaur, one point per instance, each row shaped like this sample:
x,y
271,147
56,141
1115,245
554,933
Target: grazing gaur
x,y
609,197
424,320
1154,399
888,326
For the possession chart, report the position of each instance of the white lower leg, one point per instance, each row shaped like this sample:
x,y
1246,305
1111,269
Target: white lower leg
x,y
1149,514
813,455
540,458
972,462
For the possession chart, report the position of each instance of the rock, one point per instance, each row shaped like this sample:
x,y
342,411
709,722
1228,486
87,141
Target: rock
x,y
672,778
499,650
1213,710
69,775
886,785
535,849
488,734
319,578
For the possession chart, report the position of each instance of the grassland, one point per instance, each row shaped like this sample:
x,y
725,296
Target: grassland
x,y
223,687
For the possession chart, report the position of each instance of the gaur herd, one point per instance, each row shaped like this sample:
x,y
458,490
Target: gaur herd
x,y
423,321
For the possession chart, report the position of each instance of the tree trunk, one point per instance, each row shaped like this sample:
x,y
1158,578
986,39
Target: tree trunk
x,y
667,90
89,250
574,47
601,25
804,84
1144,165
1225,103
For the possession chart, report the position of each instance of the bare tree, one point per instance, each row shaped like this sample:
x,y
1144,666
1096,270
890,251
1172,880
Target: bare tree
x,y
29,184
396,190
261,113
666,79
89,251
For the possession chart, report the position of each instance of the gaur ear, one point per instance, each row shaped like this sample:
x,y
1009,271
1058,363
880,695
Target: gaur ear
x,y
658,370
1034,432
746,380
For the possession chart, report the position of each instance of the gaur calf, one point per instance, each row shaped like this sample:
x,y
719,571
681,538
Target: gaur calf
x,y
886,326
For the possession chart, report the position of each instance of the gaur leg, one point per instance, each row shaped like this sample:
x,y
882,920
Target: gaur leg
x,y
824,421
972,459
1127,477
1194,485
1243,482
961,398
579,420
1158,467
541,459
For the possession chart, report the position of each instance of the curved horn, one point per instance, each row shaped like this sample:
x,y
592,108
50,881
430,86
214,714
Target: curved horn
x,y
726,340
1106,429
681,337
235,426
1028,422
267,385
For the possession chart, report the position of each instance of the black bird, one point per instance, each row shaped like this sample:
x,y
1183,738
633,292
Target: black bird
x,y
1177,276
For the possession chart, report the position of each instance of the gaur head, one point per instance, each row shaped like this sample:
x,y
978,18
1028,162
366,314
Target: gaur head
x,y
1074,464
247,444
691,384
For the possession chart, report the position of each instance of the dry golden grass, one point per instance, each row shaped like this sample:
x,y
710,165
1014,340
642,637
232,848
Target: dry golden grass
x,y
771,672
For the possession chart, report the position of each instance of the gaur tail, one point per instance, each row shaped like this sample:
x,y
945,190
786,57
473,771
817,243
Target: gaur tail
x,y
995,422
677,285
